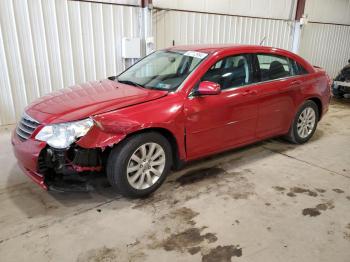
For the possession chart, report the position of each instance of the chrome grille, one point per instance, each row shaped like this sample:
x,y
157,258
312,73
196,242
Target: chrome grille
x,y
26,127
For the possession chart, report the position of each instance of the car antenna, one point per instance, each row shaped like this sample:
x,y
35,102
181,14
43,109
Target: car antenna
x,y
263,40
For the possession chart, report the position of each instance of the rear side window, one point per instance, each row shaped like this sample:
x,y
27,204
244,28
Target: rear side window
x,y
274,67
231,72
299,69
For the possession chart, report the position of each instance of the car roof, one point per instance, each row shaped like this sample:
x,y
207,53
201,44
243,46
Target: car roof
x,y
220,47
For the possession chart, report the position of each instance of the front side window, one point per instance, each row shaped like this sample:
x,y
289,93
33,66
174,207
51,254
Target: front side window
x,y
273,67
231,72
163,70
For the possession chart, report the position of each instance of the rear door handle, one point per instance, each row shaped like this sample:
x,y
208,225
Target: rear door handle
x,y
250,92
295,83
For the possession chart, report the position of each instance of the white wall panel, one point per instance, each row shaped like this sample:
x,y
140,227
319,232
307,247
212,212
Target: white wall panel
x,y
49,44
52,43
26,49
7,113
40,47
193,28
99,41
13,56
108,26
326,11
64,36
77,41
280,9
88,40
120,2
326,45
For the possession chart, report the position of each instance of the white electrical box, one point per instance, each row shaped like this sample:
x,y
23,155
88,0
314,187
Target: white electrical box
x,y
131,47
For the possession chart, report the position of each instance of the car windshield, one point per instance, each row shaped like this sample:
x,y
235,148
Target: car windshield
x,y
163,70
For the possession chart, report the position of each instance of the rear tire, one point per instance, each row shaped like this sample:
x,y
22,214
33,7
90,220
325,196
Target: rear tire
x,y
139,165
304,124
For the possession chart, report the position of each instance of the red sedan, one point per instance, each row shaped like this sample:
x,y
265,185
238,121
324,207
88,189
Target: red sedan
x,y
173,106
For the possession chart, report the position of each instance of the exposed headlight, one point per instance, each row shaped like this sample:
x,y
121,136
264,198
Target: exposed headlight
x,y
63,135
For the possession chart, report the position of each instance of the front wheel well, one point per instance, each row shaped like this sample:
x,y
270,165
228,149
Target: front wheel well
x,y
176,162
318,102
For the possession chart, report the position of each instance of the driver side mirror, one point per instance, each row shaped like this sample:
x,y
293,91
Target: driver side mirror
x,y
208,88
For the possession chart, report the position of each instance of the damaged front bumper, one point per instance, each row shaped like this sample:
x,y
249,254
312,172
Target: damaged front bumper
x,y
27,154
59,170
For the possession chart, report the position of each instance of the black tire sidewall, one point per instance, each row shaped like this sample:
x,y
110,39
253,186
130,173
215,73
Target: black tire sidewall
x,y
119,159
297,138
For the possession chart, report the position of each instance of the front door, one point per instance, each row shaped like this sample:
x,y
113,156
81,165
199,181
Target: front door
x,y
218,122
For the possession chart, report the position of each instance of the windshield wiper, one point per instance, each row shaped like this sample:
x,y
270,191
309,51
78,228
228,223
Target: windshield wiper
x,y
128,82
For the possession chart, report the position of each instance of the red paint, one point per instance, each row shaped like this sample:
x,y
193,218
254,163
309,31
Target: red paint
x,y
37,178
208,88
88,99
86,168
27,152
201,125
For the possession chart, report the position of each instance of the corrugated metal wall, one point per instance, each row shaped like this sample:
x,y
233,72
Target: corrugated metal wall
x,y
46,45
191,28
326,45
280,9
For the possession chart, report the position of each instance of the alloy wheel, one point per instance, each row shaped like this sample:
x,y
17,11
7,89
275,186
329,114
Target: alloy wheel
x,y
306,122
146,165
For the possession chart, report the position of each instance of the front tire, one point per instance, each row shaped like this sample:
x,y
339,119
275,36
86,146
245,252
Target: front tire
x,y
304,124
139,165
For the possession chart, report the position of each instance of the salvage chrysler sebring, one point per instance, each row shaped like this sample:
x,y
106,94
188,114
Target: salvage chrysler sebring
x,y
173,106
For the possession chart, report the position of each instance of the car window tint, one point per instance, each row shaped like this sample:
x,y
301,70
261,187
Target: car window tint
x,y
300,70
230,72
297,68
273,67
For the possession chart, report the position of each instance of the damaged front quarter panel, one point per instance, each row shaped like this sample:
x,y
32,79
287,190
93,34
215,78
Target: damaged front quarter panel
x,y
97,138
106,133
112,127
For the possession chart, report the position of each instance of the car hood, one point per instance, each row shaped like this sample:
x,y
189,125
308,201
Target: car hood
x,y
91,98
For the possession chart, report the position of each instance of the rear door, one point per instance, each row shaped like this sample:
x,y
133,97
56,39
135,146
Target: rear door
x,y
277,90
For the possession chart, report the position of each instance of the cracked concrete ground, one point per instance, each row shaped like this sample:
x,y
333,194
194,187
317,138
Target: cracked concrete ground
x,y
271,201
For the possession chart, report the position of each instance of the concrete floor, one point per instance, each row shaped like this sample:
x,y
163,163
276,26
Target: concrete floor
x,y
271,201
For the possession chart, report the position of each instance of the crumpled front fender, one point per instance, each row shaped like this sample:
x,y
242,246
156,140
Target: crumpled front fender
x,y
98,138
112,127
109,132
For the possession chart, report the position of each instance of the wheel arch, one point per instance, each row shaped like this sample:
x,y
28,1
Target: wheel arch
x,y
176,161
318,102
